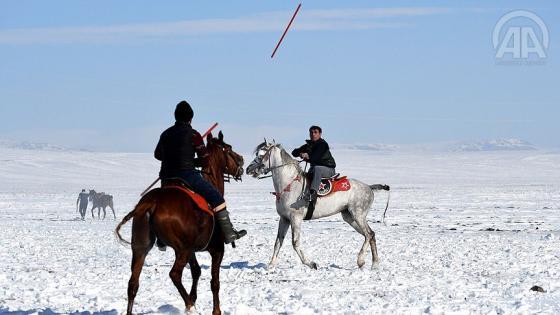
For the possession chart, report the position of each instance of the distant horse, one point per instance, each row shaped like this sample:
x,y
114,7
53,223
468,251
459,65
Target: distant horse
x,y
101,201
175,219
288,179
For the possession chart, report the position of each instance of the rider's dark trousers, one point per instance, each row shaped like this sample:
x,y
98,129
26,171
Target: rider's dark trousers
x,y
318,173
83,209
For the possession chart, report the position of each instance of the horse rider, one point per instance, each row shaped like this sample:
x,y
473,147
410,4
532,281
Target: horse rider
x,y
316,151
82,201
176,150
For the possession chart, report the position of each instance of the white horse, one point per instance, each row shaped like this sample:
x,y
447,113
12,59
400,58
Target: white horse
x,y
288,180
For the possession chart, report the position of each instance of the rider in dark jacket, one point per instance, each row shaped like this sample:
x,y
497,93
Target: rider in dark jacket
x,y
176,150
316,151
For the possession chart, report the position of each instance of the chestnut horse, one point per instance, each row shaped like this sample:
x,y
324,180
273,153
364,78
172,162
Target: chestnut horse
x,y
175,219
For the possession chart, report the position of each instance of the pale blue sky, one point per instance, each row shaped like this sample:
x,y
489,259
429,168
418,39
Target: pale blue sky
x,y
106,75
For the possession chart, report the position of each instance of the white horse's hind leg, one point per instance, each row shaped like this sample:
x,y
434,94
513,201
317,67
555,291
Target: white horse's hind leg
x,y
373,244
283,226
296,233
370,238
361,226
350,220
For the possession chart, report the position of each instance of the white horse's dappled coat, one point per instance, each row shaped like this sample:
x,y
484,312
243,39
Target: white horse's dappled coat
x,y
288,180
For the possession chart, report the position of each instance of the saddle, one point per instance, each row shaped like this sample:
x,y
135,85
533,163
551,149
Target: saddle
x,y
330,184
327,186
178,183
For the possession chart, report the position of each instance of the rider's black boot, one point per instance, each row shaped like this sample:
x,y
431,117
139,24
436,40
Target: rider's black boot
x,y
230,234
310,196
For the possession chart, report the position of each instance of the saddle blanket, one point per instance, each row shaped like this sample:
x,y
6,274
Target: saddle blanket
x,y
330,185
198,199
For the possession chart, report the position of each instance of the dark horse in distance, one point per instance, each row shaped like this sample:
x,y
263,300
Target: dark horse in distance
x,y
175,219
101,201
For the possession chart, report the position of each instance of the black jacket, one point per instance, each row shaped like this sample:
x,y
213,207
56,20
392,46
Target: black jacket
x,y
318,151
176,150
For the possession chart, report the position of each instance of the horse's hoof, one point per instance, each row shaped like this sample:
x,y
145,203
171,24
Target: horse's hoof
x,y
361,263
375,266
191,310
313,265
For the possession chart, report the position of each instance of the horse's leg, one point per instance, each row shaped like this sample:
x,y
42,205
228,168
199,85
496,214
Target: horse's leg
x,y
347,216
195,273
99,213
92,213
104,212
295,222
142,242
112,209
373,245
217,257
360,218
138,257
283,226
176,273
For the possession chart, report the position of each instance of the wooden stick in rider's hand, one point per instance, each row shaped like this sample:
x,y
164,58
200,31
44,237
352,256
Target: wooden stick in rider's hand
x,y
209,130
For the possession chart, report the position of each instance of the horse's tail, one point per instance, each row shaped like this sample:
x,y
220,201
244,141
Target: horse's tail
x,y
380,187
146,205
383,187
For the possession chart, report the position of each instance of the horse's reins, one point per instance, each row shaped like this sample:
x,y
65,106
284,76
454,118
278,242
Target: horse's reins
x,y
271,168
227,176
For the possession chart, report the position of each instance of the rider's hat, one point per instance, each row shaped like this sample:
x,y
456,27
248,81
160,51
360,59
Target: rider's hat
x,y
183,112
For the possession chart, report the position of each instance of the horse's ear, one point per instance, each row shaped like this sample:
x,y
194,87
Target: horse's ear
x,y
273,141
265,142
220,136
209,137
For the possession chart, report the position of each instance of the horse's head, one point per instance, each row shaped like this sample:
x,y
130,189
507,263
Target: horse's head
x,y
223,156
267,156
91,194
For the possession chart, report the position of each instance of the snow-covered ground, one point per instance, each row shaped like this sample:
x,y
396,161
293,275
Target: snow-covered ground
x,y
467,233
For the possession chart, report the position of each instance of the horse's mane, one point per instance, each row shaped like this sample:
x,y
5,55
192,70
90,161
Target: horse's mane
x,y
287,156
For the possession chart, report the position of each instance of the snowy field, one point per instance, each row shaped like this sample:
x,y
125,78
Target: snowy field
x,y
466,233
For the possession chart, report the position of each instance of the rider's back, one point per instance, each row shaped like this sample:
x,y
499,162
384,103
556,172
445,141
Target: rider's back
x,y
175,149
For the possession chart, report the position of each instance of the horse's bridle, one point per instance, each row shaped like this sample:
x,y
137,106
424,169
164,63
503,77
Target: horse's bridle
x,y
270,168
238,172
